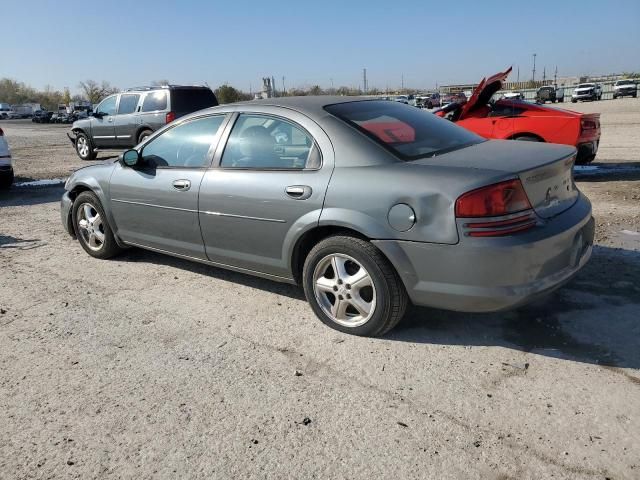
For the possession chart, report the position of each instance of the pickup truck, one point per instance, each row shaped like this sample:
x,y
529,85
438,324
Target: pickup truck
x,y
587,91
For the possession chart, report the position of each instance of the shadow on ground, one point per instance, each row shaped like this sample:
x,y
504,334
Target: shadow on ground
x,y
607,172
593,319
22,197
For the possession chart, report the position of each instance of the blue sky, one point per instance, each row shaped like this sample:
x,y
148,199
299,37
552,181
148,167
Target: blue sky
x,y
134,42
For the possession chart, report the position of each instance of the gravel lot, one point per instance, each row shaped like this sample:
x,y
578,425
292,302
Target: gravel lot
x,y
147,366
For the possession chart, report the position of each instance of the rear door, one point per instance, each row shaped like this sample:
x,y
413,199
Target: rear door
x,y
103,130
125,121
268,186
156,205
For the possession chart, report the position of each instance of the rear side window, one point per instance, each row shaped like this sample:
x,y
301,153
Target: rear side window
x,y
187,100
128,104
185,145
155,101
408,132
265,142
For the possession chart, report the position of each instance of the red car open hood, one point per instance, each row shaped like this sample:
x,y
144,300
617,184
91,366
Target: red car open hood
x,y
484,91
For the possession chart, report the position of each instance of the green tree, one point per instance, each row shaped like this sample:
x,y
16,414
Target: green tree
x,y
228,94
66,97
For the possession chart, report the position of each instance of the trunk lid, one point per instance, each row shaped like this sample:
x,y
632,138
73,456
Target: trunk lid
x,y
545,170
484,91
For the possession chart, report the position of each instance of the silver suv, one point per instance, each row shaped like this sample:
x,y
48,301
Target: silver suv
x,y
127,118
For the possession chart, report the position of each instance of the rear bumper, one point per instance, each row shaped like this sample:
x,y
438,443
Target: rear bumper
x,y
587,151
493,274
65,214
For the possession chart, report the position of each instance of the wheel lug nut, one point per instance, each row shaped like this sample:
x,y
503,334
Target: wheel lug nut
x,y
340,297
335,288
348,286
348,296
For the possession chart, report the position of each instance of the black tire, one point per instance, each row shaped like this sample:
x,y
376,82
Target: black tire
x,y
6,180
574,101
109,247
429,105
527,138
85,154
391,296
144,134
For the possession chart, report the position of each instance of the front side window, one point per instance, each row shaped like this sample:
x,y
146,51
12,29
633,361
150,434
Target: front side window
x,y
410,133
265,142
156,100
185,145
128,103
107,106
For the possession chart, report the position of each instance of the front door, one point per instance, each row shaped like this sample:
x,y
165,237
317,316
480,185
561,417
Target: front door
x,y
156,205
102,124
270,183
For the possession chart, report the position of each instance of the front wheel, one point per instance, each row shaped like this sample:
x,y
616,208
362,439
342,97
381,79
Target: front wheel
x,y
84,149
144,135
92,227
6,179
352,287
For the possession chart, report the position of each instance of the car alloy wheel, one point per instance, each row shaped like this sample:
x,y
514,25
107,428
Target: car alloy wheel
x,y
344,290
91,226
82,145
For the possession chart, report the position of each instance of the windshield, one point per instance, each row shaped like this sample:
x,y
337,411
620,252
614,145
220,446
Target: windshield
x,y
408,132
624,82
586,85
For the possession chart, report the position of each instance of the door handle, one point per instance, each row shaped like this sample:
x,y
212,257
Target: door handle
x,y
110,119
181,185
298,192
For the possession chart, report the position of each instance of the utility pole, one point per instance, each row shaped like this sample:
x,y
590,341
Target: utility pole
x,y
518,79
402,83
331,83
275,90
555,76
284,90
544,74
533,73
364,80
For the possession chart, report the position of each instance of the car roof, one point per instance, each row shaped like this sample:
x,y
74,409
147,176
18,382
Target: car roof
x,y
312,106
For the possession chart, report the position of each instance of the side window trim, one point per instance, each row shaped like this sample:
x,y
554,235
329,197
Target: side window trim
x,y
212,148
224,138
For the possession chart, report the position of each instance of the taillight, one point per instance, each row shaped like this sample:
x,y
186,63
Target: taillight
x,y
171,116
497,200
494,200
588,125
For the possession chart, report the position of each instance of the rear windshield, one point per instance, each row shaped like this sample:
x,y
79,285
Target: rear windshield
x,y
192,99
410,133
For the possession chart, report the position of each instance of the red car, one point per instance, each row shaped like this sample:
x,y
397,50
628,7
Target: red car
x,y
519,120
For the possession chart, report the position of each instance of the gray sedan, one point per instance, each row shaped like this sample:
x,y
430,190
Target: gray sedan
x,y
367,204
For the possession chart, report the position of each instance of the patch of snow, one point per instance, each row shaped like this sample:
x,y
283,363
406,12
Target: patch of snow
x,y
40,183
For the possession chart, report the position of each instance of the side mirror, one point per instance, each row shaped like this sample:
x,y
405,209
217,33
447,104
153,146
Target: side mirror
x,y
98,114
131,158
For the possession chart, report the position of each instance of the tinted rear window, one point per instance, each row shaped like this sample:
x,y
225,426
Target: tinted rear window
x,y
409,132
192,99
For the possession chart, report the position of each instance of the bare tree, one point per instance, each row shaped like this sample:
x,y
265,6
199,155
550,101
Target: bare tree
x,y
96,92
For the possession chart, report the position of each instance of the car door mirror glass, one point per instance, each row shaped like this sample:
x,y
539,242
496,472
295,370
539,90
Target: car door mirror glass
x,y
131,158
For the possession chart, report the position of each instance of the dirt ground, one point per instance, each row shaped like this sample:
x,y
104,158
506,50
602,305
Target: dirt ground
x,y
147,366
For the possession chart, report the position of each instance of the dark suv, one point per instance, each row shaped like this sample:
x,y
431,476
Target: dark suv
x,y
127,118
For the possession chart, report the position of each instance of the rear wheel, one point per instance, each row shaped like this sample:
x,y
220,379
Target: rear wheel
x,y
6,180
352,287
84,148
144,135
92,227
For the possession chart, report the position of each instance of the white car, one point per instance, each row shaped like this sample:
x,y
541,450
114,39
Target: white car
x,y
587,91
5,111
6,164
623,88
